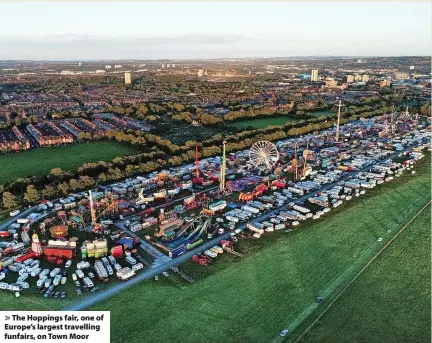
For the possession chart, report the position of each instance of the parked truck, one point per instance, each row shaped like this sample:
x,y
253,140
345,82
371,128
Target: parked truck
x,y
100,270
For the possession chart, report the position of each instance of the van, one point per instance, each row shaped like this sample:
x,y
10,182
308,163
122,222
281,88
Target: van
x,y
35,272
48,282
23,284
44,273
57,280
79,273
14,213
83,265
88,282
54,272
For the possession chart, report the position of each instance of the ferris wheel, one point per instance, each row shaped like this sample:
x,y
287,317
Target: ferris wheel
x,y
263,154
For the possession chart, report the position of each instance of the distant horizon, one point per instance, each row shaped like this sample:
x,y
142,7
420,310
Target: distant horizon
x,y
91,31
215,59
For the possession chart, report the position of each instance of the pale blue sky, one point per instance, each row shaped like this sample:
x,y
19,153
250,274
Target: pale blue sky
x,y
151,30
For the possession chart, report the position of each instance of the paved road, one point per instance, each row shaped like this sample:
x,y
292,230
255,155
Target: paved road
x,y
159,257
149,273
4,225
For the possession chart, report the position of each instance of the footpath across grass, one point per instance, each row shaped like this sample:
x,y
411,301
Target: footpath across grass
x,y
274,286
390,301
69,157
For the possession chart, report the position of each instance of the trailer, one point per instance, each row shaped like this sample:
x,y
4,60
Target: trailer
x,y
218,206
14,213
125,274
232,219
137,267
100,270
258,205
88,282
250,209
301,209
298,191
135,227
255,227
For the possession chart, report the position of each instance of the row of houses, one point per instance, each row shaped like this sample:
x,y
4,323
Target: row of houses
x,y
13,140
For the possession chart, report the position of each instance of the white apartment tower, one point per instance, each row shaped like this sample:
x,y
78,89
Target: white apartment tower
x,y
314,75
128,78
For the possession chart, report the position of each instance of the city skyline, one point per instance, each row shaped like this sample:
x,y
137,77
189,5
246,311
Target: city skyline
x,y
168,30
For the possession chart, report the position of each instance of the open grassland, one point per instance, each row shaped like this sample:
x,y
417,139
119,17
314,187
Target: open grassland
x,y
390,301
40,161
261,123
251,299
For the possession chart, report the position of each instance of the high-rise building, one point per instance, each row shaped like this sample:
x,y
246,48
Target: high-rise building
x,y
350,78
200,72
365,78
163,66
314,75
357,77
128,78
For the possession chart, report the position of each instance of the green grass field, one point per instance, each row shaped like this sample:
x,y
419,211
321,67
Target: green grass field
x,y
70,157
261,123
251,299
391,299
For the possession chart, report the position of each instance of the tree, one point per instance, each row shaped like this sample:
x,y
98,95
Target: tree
x,y
101,178
48,192
425,110
57,172
31,195
9,200
63,188
74,184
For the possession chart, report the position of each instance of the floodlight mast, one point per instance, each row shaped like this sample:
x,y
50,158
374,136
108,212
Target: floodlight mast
x,y
222,169
393,126
339,105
